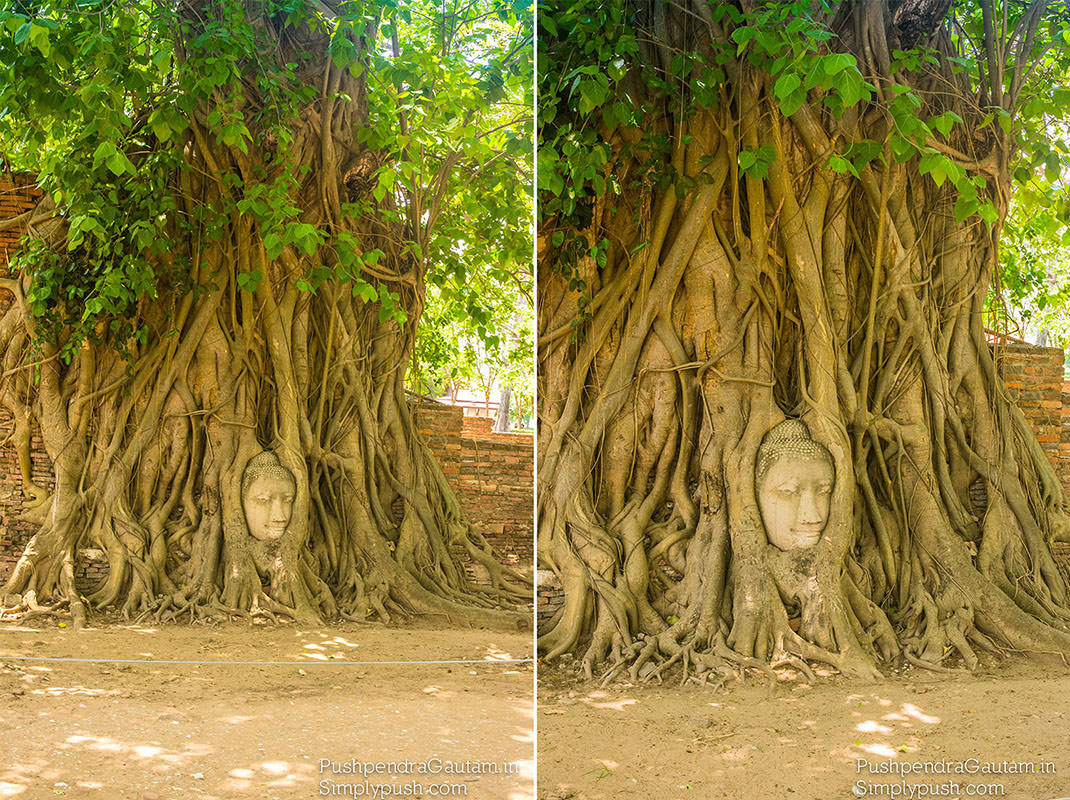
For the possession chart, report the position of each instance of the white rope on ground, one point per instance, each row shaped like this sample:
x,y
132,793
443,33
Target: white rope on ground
x,y
334,662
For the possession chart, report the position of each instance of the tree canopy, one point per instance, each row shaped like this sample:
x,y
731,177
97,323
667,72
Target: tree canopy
x,y
97,99
593,89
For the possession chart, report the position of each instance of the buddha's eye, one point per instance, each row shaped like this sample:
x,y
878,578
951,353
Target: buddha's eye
x,y
787,489
826,489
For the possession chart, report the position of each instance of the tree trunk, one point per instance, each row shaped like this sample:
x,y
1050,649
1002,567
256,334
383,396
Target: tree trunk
x,y
725,301
151,439
501,416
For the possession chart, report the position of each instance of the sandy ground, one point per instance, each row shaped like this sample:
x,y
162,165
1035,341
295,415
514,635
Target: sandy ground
x,y
823,742
163,731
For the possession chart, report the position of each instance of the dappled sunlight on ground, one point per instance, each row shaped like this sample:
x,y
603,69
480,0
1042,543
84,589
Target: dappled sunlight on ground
x,y
341,641
146,750
494,653
802,742
326,646
438,691
604,700
912,710
324,651
269,774
882,750
524,734
872,727
84,730
59,691
15,627
238,719
887,734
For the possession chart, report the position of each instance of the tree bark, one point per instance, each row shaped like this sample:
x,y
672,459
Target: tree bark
x,y
729,301
149,439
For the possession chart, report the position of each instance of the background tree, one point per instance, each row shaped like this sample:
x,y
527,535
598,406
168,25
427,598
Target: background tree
x,y
479,333
1031,294
759,211
245,202
480,299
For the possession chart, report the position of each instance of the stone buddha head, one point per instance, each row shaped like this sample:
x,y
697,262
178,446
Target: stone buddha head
x,y
267,496
793,479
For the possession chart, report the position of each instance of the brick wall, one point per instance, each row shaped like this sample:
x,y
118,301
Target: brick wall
x,y
17,195
1063,467
14,532
1034,378
493,475
480,428
476,426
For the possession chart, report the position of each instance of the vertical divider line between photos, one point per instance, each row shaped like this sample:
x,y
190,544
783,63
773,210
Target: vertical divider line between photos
x,y
535,393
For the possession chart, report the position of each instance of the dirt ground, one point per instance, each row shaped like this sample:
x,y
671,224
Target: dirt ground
x,y
163,731
836,739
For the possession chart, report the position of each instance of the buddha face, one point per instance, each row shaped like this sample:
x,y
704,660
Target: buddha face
x,y
268,503
794,497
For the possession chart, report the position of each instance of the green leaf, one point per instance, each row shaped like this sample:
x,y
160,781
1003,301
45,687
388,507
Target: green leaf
x,y
273,245
836,63
104,150
120,164
593,92
945,122
862,152
160,128
793,101
1004,120
365,291
754,163
965,207
162,61
851,87
342,51
741,36
1053,167
935,165
902,149
786,84
249,281
38,37
842,165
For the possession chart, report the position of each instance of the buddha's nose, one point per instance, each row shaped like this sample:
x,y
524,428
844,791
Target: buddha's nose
x,y
278,510
809,513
